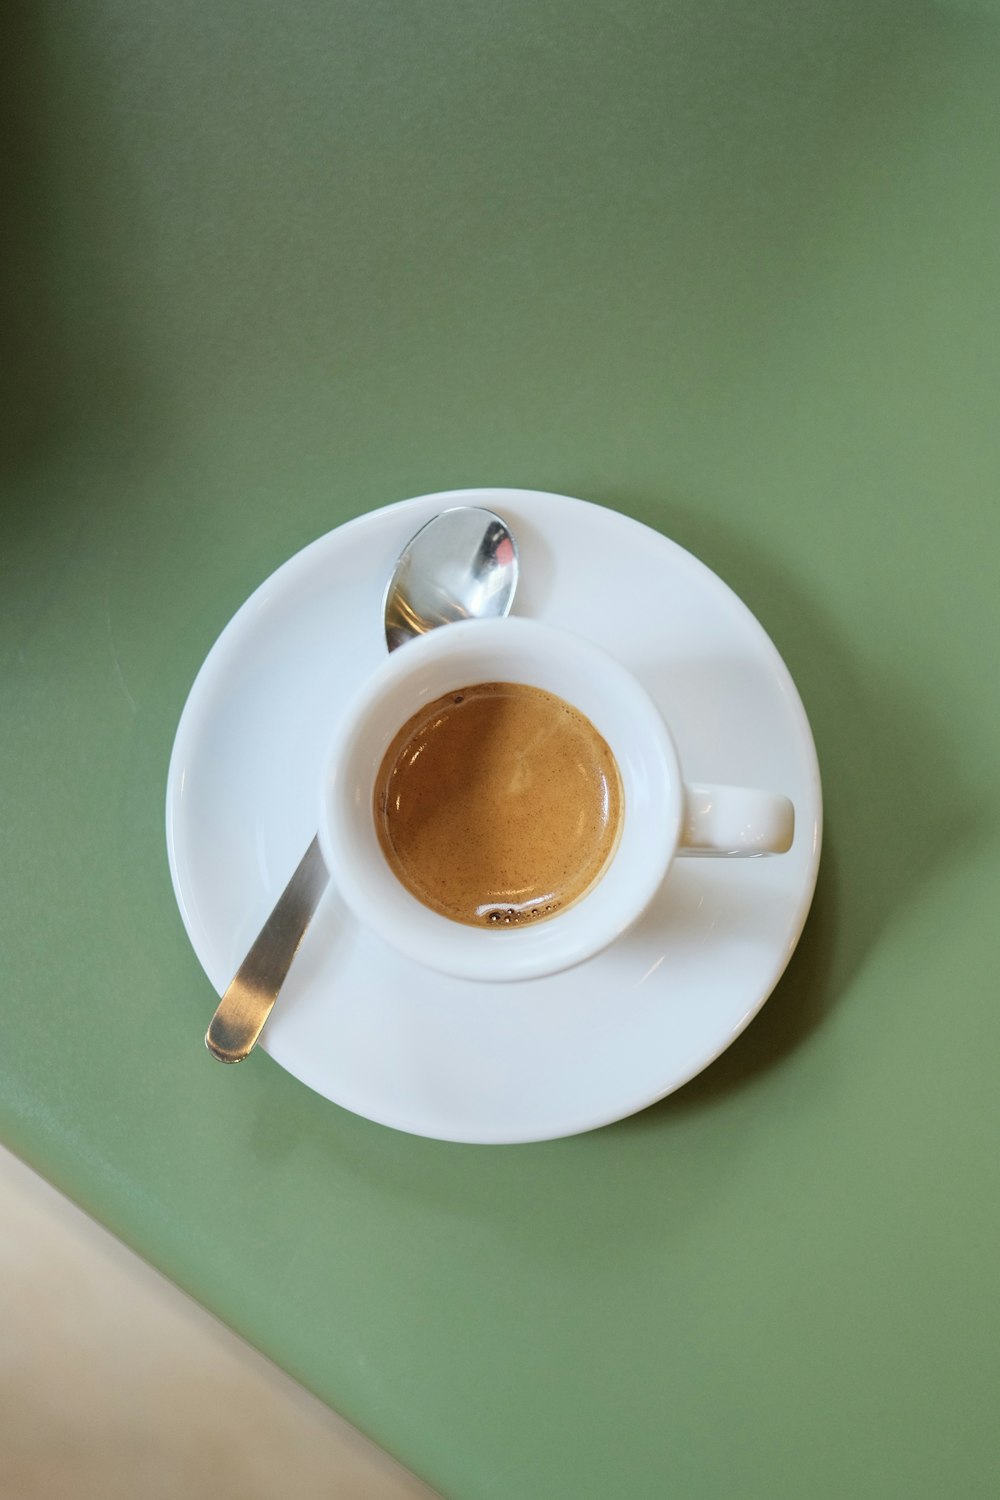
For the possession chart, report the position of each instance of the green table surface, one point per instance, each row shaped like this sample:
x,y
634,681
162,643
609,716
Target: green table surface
x,y
733,269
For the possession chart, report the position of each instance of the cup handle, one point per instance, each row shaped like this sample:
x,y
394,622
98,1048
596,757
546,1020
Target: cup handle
x,y
735,821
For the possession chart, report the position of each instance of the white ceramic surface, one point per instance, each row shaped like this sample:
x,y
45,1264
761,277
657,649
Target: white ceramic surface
x,y
450,1058
656,804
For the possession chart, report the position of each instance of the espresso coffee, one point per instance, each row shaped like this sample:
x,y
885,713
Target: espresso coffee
x,y
498,804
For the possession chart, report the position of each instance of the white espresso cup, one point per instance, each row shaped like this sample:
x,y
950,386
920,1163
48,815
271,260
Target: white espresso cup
x,y
662,815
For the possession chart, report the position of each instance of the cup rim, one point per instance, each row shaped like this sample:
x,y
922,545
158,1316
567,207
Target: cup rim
x,y
562,662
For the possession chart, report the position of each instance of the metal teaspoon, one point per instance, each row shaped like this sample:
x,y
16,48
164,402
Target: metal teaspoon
x,y
462,565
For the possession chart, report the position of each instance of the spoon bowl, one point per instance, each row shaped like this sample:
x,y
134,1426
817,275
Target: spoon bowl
x,y
463,565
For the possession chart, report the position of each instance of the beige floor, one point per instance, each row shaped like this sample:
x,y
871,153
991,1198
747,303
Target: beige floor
x,y
112,1382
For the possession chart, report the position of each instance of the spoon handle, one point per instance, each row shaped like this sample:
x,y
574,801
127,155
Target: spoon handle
x,y
247,1002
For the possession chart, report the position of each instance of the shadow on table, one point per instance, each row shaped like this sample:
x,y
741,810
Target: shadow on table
x,y
889,828
27,314
72,365
889,825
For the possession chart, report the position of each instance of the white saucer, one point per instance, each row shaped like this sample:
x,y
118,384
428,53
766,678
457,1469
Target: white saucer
x,y
480,1062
